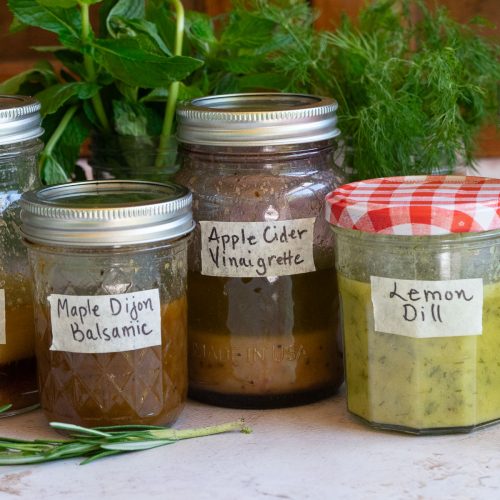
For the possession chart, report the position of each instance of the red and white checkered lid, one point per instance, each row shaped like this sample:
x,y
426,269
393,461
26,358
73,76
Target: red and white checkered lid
x,y
417,205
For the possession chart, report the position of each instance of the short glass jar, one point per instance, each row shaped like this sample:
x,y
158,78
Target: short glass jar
x,y
418,266
263,323
109,261
19,148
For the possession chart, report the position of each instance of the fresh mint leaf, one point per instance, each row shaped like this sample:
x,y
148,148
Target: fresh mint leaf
x,y
157,12
159,94
16,26
42,76
67,150
135,119
52,171
58,164
242,64
246,30
64,4
127,61
186,92
145,32
56,96
128,92
65,22
72,59
200,32
126,9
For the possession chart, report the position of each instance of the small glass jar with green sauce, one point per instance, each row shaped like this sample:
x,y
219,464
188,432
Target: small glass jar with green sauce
x,y
418,267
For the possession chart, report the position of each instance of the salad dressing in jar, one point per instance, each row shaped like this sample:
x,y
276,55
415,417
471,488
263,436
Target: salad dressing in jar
x,y
263,323
19,148
418,266
109,261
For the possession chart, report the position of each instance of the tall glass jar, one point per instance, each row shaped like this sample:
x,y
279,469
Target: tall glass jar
x,y
109,262
418,266
262,296
19,149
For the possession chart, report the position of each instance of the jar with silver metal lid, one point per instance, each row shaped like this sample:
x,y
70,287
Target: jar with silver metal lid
x,y
109,261
263,323
19,148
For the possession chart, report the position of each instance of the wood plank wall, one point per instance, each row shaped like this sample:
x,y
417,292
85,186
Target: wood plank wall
x,y
16,55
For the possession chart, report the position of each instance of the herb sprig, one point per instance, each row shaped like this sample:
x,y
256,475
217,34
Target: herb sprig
x,y
6,407
110,78
101,442
414,87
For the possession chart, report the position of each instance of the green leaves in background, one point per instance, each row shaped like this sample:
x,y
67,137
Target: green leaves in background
x,y
412,89
125,9
66,23
57,95
144,32
127,61
135,119
59,158
31,81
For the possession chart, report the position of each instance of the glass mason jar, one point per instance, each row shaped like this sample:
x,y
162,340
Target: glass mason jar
x,y
109,261
418,266
19,149
262,296
132,157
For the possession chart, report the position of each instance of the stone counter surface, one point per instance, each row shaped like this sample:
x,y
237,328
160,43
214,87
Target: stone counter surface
x,y
316,451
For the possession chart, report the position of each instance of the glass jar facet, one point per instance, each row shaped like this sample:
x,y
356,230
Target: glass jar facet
x,y
109,261
140,386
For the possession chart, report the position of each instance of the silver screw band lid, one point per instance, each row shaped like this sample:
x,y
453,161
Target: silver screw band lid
x,y
257,119
20,119
106,213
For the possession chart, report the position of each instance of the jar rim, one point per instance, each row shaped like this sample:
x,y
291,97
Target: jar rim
x,y
257,119
20,119
104,213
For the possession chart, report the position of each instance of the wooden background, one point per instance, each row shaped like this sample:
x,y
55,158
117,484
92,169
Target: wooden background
x,y
16,55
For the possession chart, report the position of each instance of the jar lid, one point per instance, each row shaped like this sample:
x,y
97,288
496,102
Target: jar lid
x,y
106,213
260,119
19,119
417,205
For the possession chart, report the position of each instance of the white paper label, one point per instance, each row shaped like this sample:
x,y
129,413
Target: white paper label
x,y
105,323
3,338
425,309
257,249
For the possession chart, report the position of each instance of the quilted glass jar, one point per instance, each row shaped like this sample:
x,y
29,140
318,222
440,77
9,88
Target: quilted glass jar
x,y
418,267
109,261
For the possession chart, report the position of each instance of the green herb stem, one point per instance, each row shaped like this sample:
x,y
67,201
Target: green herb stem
x,y
173,90
4,408
90,69
94,444
176,435
54,138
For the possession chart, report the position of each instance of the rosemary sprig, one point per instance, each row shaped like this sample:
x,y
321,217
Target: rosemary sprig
x,y
5,407
101,442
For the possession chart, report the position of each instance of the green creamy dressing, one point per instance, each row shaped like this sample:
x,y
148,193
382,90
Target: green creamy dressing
x,y
420,383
